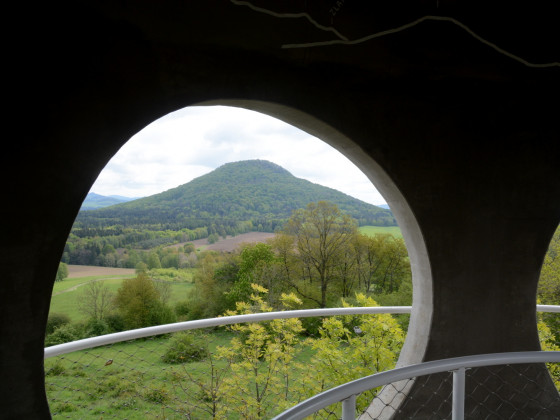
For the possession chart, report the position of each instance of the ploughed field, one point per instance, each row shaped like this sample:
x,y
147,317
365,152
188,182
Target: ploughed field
x,y
77,271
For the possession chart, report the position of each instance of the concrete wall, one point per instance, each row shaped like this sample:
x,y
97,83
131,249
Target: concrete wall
x,y
460,136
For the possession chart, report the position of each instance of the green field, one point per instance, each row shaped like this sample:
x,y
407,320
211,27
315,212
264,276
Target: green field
x,y
373,230
66,293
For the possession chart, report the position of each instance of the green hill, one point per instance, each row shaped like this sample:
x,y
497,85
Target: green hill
x,y
97,201
242,196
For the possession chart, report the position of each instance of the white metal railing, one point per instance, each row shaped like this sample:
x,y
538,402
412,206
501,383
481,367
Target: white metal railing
x,y
347,393
102,340
548,308
228,320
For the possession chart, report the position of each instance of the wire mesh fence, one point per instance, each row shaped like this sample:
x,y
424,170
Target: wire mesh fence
x,y
257,370
515,391
242,371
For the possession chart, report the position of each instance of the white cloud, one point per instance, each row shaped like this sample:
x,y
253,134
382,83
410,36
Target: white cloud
x,y
194,141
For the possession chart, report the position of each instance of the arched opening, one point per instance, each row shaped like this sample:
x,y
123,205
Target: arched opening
x,y
418,329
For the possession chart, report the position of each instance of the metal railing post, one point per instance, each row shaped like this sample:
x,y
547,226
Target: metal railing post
x,y
458,409
349,408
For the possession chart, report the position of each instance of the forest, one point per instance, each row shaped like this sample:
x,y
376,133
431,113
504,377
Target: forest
x,y
235,198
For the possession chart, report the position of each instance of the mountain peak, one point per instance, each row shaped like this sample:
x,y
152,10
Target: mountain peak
x,y
257,192
254,164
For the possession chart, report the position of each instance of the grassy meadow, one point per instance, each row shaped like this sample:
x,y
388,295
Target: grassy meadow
x,y
374,230
66,293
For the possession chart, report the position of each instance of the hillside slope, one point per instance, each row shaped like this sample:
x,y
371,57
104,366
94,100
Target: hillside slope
x,y
255,191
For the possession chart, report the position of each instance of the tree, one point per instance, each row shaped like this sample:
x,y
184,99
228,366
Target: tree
x,y
213,280
95,300
139,303
153,261
262,361
321,232
353,346
62,272
255,266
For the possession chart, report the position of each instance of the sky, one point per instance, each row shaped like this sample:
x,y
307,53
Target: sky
x,y
194,141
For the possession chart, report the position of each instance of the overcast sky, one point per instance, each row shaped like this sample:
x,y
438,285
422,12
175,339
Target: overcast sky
x,y
194,141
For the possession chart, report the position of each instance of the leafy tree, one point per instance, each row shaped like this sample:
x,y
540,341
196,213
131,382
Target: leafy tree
x,y
255,267
139,303
353,346
321,233
153,260
62,272
56,320
262,361
185,347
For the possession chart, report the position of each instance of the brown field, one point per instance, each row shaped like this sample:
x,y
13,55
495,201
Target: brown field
x,y
76,271
232,242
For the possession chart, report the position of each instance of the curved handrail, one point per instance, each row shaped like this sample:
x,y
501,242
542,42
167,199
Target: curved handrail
x,y
548,308
228,320
102,340
342,392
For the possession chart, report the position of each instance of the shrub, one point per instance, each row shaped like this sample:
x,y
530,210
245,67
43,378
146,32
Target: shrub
x,y
63,407
63,334
56,369
115,322
182,308
157,395
56,320
96,327
186,347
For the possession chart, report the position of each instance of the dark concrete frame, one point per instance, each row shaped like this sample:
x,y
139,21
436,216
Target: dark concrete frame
x,y
455,119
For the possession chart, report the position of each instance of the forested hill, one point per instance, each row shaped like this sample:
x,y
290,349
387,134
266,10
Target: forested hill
x,y
236,197
96,201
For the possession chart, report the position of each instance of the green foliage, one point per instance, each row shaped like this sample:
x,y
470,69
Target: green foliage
x,y
214,278
322,234
255,267
64,334
157,394
62,272
353,346
55,321
549,285
96,327
186,347
549,281
213,238
115,322
262,361
153,261
548,343
377,230
56,370
139,303
236,198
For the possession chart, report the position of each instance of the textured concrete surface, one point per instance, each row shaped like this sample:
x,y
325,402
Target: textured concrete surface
x,y
454,118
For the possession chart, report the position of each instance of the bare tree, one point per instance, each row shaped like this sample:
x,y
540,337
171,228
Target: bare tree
x,y
96,300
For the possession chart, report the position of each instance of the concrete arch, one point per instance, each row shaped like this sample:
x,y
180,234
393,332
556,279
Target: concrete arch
x,y
468,136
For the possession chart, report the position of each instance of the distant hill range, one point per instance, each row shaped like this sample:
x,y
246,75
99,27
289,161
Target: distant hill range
x,y
252,195
96,201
